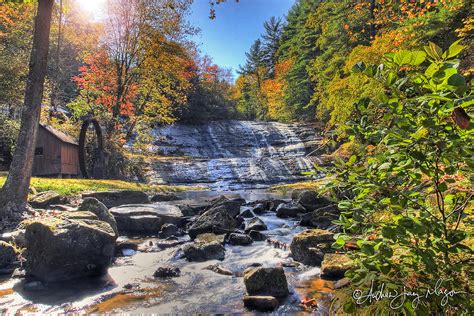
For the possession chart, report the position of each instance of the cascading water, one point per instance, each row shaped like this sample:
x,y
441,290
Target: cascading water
x,y
232,155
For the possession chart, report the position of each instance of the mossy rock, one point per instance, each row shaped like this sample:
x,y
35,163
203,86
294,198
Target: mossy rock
x,y
98,208
310,246
266,281
72,245
7,255
335,265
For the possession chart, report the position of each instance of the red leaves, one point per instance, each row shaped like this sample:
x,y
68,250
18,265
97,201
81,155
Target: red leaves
x,y
461,118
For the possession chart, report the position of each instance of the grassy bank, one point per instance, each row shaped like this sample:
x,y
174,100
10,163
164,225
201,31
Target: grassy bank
x,y
313,185
70,187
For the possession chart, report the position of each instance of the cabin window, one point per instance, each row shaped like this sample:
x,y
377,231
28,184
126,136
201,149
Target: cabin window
x,y
39,151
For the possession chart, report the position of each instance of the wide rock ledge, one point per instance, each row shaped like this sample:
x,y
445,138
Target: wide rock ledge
x,y
146,219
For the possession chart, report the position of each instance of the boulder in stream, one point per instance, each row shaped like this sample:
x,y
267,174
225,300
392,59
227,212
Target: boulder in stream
x,y
247,214
255,224
98,208
119,197
167,272
237,239
219,220
261,303
257,236
335,265
205,247
146,218
310,246
310,200
72,245
320,218
266,281
290,209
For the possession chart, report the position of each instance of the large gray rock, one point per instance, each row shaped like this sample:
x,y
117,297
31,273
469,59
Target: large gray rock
x,y
310,200
44,199
255,224
266,281
120,197
205,247
321,218
310,246
98,208
290,209
146,219
72,245
261,303
218,220
237,239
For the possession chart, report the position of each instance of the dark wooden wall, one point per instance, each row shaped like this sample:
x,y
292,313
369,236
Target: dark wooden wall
x,y
54,157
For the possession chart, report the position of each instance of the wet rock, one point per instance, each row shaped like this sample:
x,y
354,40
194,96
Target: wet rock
x,y
257,236
164,197
209,238
247,214
146,219
231,205
290,209
167,272
192,207
310,200
68,246
120,197
219,270
7,257
255,224
204,252
44,199
309,247
120,246
259,208
273,206
168,230
321,218
261,303
266,281
215,220
334,265
98,208
240,239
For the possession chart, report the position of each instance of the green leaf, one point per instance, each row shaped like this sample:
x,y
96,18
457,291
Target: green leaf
x,y
434,51
418,57
453,50
457,80
403,57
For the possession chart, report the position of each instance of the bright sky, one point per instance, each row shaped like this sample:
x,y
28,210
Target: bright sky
x,y
235,28
230,34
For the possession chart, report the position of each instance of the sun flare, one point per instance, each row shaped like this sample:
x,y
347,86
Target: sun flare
x,y
94,8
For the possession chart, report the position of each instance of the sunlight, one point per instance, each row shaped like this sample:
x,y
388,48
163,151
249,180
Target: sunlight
x,y
94,8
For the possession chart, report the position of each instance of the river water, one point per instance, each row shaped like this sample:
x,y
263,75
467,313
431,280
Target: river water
x,y
130,286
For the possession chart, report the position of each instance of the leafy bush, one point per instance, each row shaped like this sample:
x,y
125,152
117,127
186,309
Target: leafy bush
x,y
8,135
411,190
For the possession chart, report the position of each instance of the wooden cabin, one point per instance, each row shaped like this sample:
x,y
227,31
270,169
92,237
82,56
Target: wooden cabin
x,y
56,154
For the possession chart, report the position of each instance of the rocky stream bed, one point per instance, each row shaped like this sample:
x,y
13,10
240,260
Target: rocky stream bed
x,y
198,252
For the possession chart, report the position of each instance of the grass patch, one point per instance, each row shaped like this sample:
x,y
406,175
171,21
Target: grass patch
x,y
71,187
314,185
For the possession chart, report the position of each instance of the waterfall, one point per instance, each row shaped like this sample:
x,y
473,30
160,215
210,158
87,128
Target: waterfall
x,y
232,155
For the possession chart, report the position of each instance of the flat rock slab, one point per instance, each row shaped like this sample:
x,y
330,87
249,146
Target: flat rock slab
x,y
146,218
120,197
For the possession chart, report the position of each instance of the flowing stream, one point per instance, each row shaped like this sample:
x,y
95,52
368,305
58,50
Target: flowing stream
x,y
130,286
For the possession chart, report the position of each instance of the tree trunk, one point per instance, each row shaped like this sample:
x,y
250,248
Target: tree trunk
x,y
15,191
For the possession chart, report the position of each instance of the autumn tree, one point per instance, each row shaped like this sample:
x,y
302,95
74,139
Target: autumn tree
x,y
14,193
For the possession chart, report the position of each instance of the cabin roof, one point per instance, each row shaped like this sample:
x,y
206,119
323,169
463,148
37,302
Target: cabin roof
x,y
59,135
